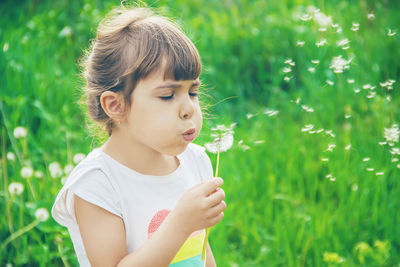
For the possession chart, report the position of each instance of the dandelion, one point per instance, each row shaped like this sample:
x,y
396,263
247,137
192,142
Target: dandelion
x,y
330,82
392,134
339,64
388,84
331,257
42,214
311,69
330,147
220,144
347,147
290,62
355,26
66,31
371,16
55,169
307,128
15,188
307,109
26,172
39,174
300,43
322,42
343,42
354,187
20,132
271,112
10,156
391,33
322,19
68,169
78,157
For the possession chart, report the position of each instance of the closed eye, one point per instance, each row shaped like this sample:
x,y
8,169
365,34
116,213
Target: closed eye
x,y
170,97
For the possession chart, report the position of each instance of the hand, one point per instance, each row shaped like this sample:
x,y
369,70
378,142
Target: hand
x,y
200,207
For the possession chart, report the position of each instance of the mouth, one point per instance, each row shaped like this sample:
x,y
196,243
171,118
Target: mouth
x,y
189,135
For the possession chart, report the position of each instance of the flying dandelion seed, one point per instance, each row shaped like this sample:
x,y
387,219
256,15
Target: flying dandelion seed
x,y
388,84
324,159
322,20
368,87
42,214
290,62
330,147
300,43
379,173
286,70
347,116
347,147
388,98
339,64
286,79
366,159
370,169
395,160
343,42
350,81
315,62
257,142
330,132
55,169
311,69
307,128
220,144
355,26
20,132
398,166
5,47
371,95
39,174
306,17
26,172
249,116
319,131
307,109
382,143
78,157
15,188
391,33
271,112
392,134
298,100
330,82
10,156
66,31
354,187
357,90
395,151
321,43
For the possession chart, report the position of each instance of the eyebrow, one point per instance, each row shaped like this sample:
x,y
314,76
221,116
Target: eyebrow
x,y
176,85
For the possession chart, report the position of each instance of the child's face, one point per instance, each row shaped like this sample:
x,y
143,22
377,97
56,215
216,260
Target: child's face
x,y
162,111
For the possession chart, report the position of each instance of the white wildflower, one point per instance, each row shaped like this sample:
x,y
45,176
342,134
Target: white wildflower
x,y
42,214
339,64
26,172
20,132
392,134
10,156
68,169
15,188
78,157
55,169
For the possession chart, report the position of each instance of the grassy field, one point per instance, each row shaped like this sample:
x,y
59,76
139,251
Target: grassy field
x,y
313,178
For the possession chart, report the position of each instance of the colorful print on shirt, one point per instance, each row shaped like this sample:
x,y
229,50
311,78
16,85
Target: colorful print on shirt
x,y
190,252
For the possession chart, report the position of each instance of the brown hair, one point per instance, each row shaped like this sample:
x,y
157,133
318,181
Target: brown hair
x,y
130,44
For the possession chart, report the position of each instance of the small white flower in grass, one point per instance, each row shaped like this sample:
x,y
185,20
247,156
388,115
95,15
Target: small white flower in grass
x,y
55,169
20,132
355,26
347,147
311,69
307,108
300,43
330,147
392,134
371,16
370,169
391,33
15,188
307,128
78,157
322,42
324,159
354,187
339,64
26,172
42,214
380,173
395,151
39,174
366,159
68,169
329,82
10,156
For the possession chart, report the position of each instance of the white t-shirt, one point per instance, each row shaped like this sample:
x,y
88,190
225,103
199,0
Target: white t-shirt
x,y
142,201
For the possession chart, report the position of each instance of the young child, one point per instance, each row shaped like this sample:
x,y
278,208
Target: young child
x,y
146,195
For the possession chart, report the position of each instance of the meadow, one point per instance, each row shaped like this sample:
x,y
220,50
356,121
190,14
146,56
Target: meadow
x,y
313,176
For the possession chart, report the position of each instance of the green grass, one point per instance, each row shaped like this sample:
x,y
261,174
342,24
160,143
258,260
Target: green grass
x,y
282,208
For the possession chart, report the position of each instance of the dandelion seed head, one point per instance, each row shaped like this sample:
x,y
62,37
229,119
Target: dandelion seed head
x,y
55,169
20,132
15,188
371,16
26,172
68,169
220,144
392,134
10,156
78,157
339,64
39,174
42,214
66,31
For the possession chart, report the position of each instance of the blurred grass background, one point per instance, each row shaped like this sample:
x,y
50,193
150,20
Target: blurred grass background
x,y
313,177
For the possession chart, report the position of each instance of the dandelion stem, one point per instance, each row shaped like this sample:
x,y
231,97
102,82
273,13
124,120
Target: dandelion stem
x,y
5,180
18,233
208,229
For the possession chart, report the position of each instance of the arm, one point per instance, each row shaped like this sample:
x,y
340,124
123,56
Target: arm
x,y
210,261
103,233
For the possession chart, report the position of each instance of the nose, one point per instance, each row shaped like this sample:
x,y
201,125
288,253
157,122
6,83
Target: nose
x,y
186,108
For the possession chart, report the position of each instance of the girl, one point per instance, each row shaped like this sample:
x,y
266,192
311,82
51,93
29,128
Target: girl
x,y
145,197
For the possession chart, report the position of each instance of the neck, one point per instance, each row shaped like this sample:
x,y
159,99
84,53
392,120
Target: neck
x,y
138,156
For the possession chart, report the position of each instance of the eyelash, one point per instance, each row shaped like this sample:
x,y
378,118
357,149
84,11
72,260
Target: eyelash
x,y
171,96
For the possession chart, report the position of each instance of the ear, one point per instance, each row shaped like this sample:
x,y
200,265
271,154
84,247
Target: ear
x,y
113,105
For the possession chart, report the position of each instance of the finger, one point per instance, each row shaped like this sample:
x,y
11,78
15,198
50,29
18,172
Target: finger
x,y
217,209
216,198
216,219
209,186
